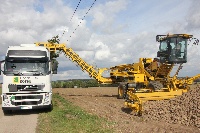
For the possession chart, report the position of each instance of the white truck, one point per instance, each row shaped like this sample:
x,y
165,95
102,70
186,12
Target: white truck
x,y
26,78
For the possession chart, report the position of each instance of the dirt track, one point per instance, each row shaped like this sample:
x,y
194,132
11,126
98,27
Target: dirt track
x,y
104,103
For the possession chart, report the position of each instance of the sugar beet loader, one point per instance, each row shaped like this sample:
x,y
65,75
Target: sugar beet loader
x,y
148,79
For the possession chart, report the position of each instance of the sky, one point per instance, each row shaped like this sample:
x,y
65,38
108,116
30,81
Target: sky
x,y
110,33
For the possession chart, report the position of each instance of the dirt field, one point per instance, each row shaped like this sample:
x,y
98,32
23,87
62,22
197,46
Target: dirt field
x,y
104,103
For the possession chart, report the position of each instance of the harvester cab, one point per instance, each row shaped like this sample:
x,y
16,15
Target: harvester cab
x,y
173,48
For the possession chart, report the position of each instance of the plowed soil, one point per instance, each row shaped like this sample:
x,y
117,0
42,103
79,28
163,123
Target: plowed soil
x,y
104,103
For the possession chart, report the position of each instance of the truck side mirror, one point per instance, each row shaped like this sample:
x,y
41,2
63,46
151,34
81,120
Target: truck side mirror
x,y
54,65
0,65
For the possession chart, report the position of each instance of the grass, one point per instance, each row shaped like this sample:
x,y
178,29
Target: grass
x,y
68,118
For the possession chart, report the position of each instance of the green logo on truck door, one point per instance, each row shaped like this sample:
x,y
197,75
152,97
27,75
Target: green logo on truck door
x,y
16,80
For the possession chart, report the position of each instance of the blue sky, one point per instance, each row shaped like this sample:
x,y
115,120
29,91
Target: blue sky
x,y
114,32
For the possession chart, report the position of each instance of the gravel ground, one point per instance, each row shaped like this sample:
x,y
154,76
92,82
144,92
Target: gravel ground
x,y
24,121
104,103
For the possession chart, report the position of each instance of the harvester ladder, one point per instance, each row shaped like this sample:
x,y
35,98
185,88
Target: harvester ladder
x,y
179,68
96,74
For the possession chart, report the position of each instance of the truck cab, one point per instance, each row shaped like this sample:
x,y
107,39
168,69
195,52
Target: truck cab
x,y
26,78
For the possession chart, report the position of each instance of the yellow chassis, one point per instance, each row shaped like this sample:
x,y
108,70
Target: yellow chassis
x,y
136,99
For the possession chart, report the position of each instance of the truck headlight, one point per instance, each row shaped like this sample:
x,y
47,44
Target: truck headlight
x,y
47,98
5,97
6,100
46,94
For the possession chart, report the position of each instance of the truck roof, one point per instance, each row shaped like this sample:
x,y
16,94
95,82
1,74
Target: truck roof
x,y
27,47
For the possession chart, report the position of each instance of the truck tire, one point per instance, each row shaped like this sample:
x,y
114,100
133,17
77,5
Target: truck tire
x,y
121,91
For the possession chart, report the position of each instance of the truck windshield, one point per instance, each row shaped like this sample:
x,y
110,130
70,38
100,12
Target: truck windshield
x,y
26,66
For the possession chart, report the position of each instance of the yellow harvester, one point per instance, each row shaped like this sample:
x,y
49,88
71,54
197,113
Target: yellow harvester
x,y
148,79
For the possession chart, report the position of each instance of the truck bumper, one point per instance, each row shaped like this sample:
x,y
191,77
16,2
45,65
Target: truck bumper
x,y
31,107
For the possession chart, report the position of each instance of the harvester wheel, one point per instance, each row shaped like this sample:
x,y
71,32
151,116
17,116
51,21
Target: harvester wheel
x,y
154,85
121,91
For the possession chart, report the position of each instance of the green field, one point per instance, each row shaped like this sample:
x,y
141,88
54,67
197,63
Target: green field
x,y
68,118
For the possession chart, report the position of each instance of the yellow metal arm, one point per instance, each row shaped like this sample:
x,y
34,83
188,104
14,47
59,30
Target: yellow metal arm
x,y
134,102
187,81
95,73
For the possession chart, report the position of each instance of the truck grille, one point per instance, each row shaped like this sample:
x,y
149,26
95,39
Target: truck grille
x,y
27,100
26,103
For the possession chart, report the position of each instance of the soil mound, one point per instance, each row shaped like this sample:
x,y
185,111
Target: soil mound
x,y
184,109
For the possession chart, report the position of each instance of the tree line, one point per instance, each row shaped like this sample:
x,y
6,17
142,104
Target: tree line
x,y
79,83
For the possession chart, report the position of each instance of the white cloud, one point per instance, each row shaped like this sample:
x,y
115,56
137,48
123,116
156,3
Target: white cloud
x,y
193,16
70,74
105,15
103,52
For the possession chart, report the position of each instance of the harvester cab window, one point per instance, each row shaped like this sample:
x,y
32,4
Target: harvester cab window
x,y
173,49
163,46
178,50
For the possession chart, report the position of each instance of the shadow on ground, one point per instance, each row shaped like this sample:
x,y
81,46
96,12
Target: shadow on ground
x,y
26,112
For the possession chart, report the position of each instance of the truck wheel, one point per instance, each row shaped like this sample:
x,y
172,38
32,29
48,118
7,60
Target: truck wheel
x,y
121,91
7,112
